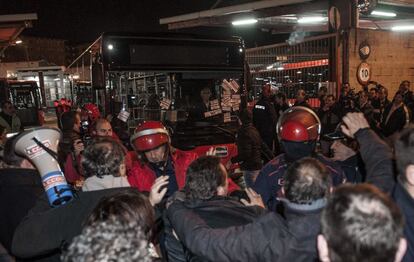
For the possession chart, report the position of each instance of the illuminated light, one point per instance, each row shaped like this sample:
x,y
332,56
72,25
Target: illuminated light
x,y
383,13
110,46
299,72
403,28
241,50
312,19
244,22
269,67
280,68
18,42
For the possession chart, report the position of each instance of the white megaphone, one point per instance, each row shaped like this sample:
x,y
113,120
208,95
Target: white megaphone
x,y
39,145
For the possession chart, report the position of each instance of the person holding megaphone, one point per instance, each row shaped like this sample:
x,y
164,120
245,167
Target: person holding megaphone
x,y
46,230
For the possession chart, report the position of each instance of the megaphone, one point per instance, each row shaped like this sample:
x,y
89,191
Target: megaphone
x,y
39,145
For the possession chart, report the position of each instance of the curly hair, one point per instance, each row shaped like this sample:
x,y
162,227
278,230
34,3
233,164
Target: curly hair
x,y
102,157
306,180
125,207
107,241
204,176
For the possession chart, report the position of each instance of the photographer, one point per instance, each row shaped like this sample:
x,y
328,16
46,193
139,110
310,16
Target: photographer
x,y
100,128
347,99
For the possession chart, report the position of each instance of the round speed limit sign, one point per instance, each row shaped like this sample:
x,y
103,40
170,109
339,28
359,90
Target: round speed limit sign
x,y
364,73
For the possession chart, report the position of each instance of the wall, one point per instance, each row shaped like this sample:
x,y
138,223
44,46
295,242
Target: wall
x,y
36,48
12,67
391,59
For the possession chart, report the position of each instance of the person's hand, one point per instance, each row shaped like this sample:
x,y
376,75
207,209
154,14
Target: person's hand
x,y
157,194
79,183
78,146
211,152
353,122
255,199
341,152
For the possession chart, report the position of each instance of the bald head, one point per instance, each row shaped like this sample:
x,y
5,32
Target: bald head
x,y
102,128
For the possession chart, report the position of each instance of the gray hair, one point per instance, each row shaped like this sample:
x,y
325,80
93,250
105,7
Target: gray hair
x,y
107,241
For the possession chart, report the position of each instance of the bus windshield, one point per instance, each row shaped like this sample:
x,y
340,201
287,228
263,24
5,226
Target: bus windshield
x,y
23,95
192,84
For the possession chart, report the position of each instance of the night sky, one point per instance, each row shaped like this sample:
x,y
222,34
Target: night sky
x,y
84,20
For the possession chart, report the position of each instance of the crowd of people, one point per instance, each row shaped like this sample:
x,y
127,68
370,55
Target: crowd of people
x,y
319,184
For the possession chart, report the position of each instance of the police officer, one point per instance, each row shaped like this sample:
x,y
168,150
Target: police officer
x,y
264,117
298,130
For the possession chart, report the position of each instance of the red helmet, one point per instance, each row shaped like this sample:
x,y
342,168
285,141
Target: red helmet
x,y
149,135
299,124
92,110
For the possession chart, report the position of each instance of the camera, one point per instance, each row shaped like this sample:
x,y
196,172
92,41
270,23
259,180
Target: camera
x,y
84,127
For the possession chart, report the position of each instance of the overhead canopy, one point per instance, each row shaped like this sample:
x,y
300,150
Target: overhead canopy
x,y
11,26
281,16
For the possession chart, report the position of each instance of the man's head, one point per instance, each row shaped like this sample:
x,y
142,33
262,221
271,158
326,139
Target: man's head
x,y
102,127
298,130
104,157
151,141
360,223
346,88
11,158
404,154
301,95
70,121
266,90
8,108
329,100
205,94
323,90
306,181
383,93
206,178
373,93
363,97
404,86
109,241
125,207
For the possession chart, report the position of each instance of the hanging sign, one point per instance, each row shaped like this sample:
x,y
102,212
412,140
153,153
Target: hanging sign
x,y
364,50
364,73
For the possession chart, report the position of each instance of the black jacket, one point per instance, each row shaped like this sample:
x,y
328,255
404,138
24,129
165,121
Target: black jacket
x,y
269,238
379,165
264,119
397,120
46,230
249,148
219,212
19,191
329,119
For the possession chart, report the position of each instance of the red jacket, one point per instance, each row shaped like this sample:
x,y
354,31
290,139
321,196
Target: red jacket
x,y
142,176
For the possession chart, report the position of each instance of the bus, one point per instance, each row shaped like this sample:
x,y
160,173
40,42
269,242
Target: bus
x,y
160,77
27,99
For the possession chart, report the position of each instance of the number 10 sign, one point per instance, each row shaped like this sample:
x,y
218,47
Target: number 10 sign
x,y
364,73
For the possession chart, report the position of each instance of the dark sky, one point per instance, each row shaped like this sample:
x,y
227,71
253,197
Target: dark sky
x,y
84,20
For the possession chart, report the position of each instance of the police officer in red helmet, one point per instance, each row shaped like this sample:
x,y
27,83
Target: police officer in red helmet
x,y
298,130
156,159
